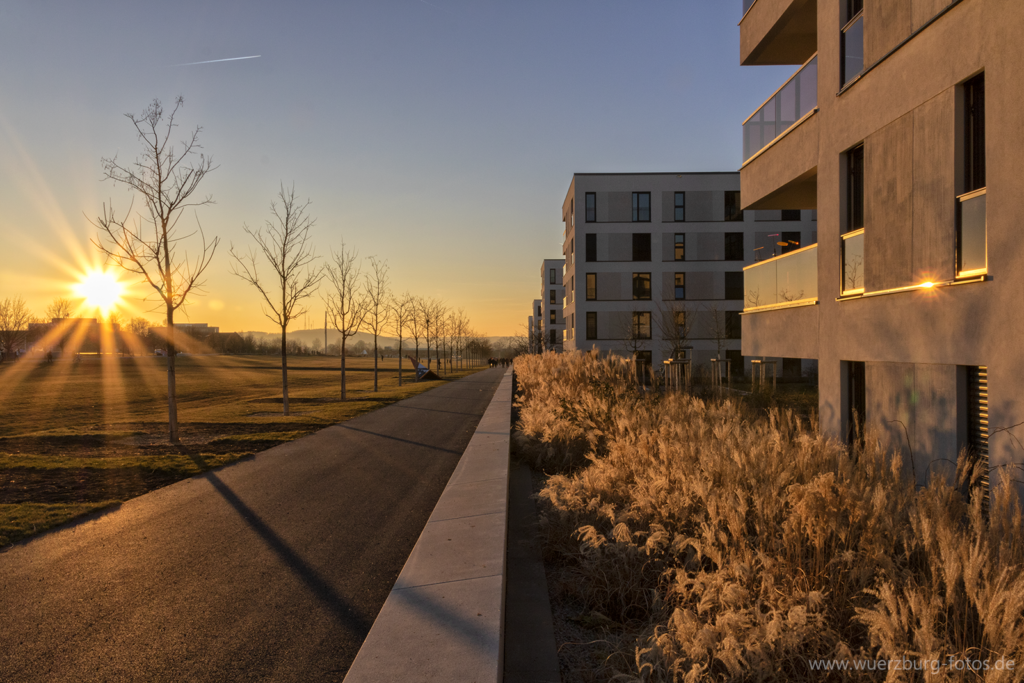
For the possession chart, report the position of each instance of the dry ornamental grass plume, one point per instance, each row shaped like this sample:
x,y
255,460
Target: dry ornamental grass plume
x,y
721,545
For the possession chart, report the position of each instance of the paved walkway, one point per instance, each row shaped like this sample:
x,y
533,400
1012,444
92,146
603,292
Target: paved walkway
x,y
273,568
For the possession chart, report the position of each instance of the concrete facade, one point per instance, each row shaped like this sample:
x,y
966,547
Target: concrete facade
x,y
919,322
715,241
552,292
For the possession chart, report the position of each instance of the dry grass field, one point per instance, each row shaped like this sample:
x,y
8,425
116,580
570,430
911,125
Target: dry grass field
x,y
713,540
79,436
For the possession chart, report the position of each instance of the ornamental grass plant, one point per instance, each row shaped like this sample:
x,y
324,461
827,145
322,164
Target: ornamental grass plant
x,y
715,543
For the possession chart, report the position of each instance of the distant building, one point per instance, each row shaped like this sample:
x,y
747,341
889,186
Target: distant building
x,y
74,335
654,264
552,302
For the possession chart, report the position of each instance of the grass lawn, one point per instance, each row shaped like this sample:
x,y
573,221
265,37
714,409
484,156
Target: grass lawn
x,y
79,436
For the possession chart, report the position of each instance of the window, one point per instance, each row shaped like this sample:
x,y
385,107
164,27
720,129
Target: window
x,y
852,40
855,189
572,214
572,250
552,335
591,207
680,286
644,357
641,324
734,246
855,402
732,324
641,207
680,253
591,246
641,246
853,233
734,285
791,242
552,277
732,206
591,325
679,318
680,209
551,296
791,214
572,325
591,286
551,317
972,228
642,286
572,288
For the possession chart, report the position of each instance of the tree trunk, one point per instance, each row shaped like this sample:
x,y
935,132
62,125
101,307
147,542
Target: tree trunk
x,y
172,391
284,367
343,339
375,356
399,361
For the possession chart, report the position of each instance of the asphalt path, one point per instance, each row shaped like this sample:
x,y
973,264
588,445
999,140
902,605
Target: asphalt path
x,y
273,568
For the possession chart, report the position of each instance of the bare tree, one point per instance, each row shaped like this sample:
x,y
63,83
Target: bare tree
x,y
432,311
285,244
416,322
717,327
14,316
148,246
635,330
675,323
378,310
346,303
58,309
402,313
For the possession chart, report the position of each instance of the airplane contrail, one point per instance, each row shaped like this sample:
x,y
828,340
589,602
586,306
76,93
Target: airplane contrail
x,y
211,61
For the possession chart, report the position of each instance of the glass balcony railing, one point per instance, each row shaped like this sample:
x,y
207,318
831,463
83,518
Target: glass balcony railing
x,y
789,278
788,105
853,262
972,237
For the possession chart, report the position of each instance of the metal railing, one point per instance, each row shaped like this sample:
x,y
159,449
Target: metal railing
x,y
782,280
797,97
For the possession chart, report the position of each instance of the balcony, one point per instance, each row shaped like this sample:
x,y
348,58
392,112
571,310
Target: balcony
x,y
783,281
797,98
853,263
778,31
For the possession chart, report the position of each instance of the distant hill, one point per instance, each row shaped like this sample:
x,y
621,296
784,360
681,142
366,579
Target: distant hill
x,y
334,337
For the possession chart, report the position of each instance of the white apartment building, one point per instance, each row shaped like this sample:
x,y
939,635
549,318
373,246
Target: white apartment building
x,y
654,263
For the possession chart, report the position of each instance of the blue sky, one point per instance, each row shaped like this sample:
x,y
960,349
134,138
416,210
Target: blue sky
x,y
438,135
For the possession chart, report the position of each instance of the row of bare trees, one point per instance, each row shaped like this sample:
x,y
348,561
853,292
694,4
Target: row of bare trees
x,y
282,264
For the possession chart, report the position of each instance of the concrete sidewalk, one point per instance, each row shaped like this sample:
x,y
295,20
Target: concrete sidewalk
x,y
272,568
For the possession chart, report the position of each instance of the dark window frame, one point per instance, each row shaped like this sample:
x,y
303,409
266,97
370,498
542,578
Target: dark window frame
x,y
676,286
641,251
854,189
591,247
853,15
736,214
638,325
590,207
551,296
591,293
591,325
734,285
974,134
679,207
679,247
638,216
734,243
641,293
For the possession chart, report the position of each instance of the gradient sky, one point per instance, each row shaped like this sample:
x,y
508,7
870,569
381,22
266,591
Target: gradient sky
x,y
440,136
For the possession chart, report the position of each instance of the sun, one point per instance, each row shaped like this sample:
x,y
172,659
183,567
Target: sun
x,y
101,291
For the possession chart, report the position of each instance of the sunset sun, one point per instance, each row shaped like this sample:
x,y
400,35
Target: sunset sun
x,y
101,291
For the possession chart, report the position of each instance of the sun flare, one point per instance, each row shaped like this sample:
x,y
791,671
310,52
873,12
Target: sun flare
x,y
101,291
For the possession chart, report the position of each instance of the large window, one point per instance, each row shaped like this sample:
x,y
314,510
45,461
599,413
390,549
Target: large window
x,y
853,237
852,40
591,286
734,246
680,247
641,207
641,246
680,207
591,207
734,285
591,247
641,324
552,277
732,324
591,325
732,206
551,317
972,228
680,285
642,286
551,296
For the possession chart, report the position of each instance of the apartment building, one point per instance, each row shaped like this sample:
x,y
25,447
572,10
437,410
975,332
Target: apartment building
x,y
535,326
654,263
552,294
902,117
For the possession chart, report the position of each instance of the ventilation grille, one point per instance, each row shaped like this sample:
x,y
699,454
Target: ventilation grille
x,y
977,420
